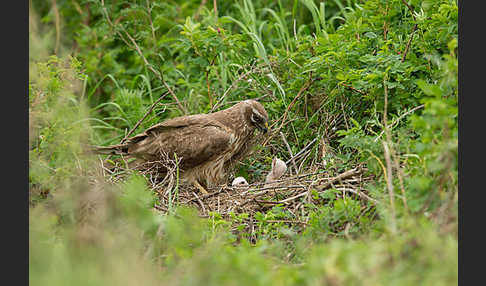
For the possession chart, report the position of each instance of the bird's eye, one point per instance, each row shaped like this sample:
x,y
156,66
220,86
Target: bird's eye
x,y
255,118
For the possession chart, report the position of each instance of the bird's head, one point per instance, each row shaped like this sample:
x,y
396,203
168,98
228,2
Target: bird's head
x,y
256,115
240,183
278,169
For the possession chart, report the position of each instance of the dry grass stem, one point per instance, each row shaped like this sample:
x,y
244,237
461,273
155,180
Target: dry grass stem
x,y
290,152
386,150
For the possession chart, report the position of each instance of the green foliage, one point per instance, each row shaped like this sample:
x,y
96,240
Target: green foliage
x,y
340,217
57,124
327,65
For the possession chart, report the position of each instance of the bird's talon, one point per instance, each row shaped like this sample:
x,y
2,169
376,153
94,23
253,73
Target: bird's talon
x,y
201,188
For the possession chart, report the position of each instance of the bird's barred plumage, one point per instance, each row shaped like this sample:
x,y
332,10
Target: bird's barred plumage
x,y
206,144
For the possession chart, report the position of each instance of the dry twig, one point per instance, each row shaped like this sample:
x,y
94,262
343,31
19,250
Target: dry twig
x,y
303,150
409,42
290,152
389,178
143,118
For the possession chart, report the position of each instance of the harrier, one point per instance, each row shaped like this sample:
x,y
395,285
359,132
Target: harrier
x,y
206,144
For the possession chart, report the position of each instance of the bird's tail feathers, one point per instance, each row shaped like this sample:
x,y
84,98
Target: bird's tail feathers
x,y
110,150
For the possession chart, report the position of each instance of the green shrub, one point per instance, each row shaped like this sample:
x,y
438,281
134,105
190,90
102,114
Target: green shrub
x,y
336,69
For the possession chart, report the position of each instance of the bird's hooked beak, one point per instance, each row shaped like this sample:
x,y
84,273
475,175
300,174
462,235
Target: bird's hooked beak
x,y
264,128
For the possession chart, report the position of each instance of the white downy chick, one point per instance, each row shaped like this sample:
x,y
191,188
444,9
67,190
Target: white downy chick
x,y
278,169
240,182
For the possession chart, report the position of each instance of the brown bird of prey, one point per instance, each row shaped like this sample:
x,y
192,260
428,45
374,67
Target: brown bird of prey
x,y
206,144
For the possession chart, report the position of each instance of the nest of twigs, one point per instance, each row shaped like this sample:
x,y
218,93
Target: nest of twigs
x,y
290,192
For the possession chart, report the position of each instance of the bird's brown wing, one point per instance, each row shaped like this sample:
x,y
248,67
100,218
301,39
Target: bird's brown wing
x,y
193,142
170,124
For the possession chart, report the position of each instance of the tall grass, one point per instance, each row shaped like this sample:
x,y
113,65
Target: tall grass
x,y
318,16
249,26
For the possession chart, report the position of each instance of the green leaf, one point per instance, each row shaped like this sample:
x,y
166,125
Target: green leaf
x,y
429,89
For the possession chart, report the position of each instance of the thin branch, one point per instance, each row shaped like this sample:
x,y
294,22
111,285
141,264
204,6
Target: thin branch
x,y
303,159
286,221
385,30
353,89
283,118
409,42
400,180
302,151
345,175
205,196
290,152
143,118
413,30
149,10
286,179
200,202
105,12
157,73
409,8
299,94
342,176
398,119
361,194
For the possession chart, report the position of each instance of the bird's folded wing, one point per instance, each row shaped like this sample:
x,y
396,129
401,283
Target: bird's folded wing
x,y
170,124
193,143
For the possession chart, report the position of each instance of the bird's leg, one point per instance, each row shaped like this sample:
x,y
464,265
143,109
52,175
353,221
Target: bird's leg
x,y
201,188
